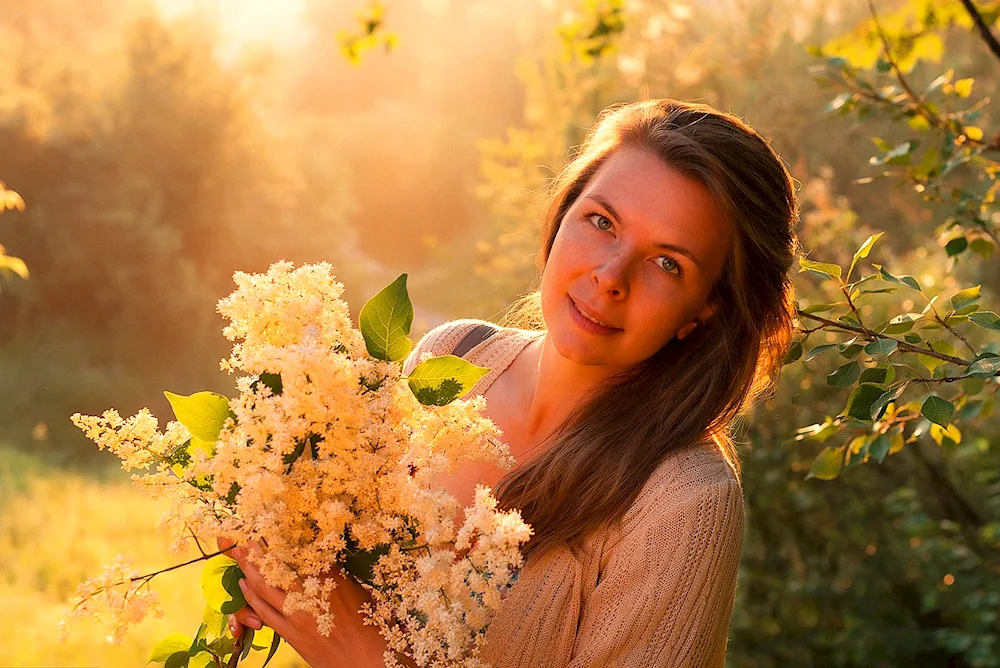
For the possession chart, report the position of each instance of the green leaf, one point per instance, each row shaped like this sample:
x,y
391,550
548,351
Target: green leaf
x,y
986,319
878,406
203,413
881,347
360,563
864,250
175,642
220,584
866,247
898,325
982,247
202,660
938,410
214,621
985,366
270,380
248,634
817,351
223,646
965,297
956,246
902,280
828,464
275,642
439,380
930,362
876,374
820,268
845,376
859,404
879,448
821,308
385,322
794,353
850,351
177,660
913,338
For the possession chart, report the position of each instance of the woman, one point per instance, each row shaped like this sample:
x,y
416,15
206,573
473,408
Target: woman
x,y
666,310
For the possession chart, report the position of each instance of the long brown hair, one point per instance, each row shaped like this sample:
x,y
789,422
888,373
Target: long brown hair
x,y
597,462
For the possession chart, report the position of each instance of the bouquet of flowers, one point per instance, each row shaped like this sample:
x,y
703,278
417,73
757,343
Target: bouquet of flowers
x,y
328,456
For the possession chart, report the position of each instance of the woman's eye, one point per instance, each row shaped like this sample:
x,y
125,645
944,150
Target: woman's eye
x,y
600,222
670,265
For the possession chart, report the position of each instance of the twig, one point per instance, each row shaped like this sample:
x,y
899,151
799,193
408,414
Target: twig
x,y
149,576
872,336
984,30
234,660
929,115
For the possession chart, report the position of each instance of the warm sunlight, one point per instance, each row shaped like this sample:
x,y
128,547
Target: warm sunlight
x,y
247,22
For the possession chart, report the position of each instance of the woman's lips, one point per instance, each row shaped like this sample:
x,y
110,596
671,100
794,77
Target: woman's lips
x,y
586,323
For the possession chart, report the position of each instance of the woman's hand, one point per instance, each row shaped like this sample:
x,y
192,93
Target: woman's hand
x,y
350,643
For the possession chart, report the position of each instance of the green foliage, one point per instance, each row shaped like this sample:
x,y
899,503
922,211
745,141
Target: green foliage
x,y
370,33
203,413
385,322
928,370
220,584
440,380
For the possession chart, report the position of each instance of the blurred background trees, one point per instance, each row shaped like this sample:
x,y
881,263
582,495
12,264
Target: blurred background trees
x,y
158,156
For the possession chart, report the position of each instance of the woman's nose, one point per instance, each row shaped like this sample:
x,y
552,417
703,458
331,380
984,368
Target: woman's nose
x,y
612,275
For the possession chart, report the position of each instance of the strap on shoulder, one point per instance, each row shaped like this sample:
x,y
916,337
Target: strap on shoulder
x,y
476,336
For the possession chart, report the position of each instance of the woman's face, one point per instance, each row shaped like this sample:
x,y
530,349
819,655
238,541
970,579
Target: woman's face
x,y
639,251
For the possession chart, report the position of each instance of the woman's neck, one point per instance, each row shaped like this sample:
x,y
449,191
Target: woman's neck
x,y
553,386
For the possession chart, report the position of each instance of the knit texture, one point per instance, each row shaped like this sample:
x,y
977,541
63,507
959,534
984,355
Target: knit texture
x,y
655,589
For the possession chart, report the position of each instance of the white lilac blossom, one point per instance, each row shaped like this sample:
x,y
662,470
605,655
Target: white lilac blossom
x,y
340,459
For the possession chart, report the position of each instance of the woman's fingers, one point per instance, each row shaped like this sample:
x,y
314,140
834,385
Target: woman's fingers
x,y
274,596
248,617
264,611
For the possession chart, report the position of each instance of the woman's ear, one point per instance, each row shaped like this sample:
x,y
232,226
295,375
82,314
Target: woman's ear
x,y
701,319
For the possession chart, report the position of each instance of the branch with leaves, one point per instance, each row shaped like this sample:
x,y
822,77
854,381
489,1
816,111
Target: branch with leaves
x,y
905,354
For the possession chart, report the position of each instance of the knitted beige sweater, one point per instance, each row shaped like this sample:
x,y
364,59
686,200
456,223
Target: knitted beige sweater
x,y
656,589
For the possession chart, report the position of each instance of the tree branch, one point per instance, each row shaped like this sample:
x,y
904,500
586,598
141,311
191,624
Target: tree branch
x,y
872,336
984,30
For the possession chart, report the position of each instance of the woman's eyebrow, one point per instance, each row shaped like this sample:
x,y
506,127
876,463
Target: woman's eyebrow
x,y
680,250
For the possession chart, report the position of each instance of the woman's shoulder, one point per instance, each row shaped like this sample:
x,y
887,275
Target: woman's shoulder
x,y
442,340
492,344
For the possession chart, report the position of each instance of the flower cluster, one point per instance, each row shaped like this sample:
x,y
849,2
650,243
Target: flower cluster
x,y
328,458
119,598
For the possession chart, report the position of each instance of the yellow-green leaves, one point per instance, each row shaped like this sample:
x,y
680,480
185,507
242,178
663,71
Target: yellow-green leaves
x,y
220,584
863,251
440,380
385,322
172,644
828,464
965,297
203,413
822,269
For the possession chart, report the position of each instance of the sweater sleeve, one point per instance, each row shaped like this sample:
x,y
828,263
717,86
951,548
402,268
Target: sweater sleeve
x,y
665,596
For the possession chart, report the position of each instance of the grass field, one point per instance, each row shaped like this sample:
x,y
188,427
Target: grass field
x,y
57,529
